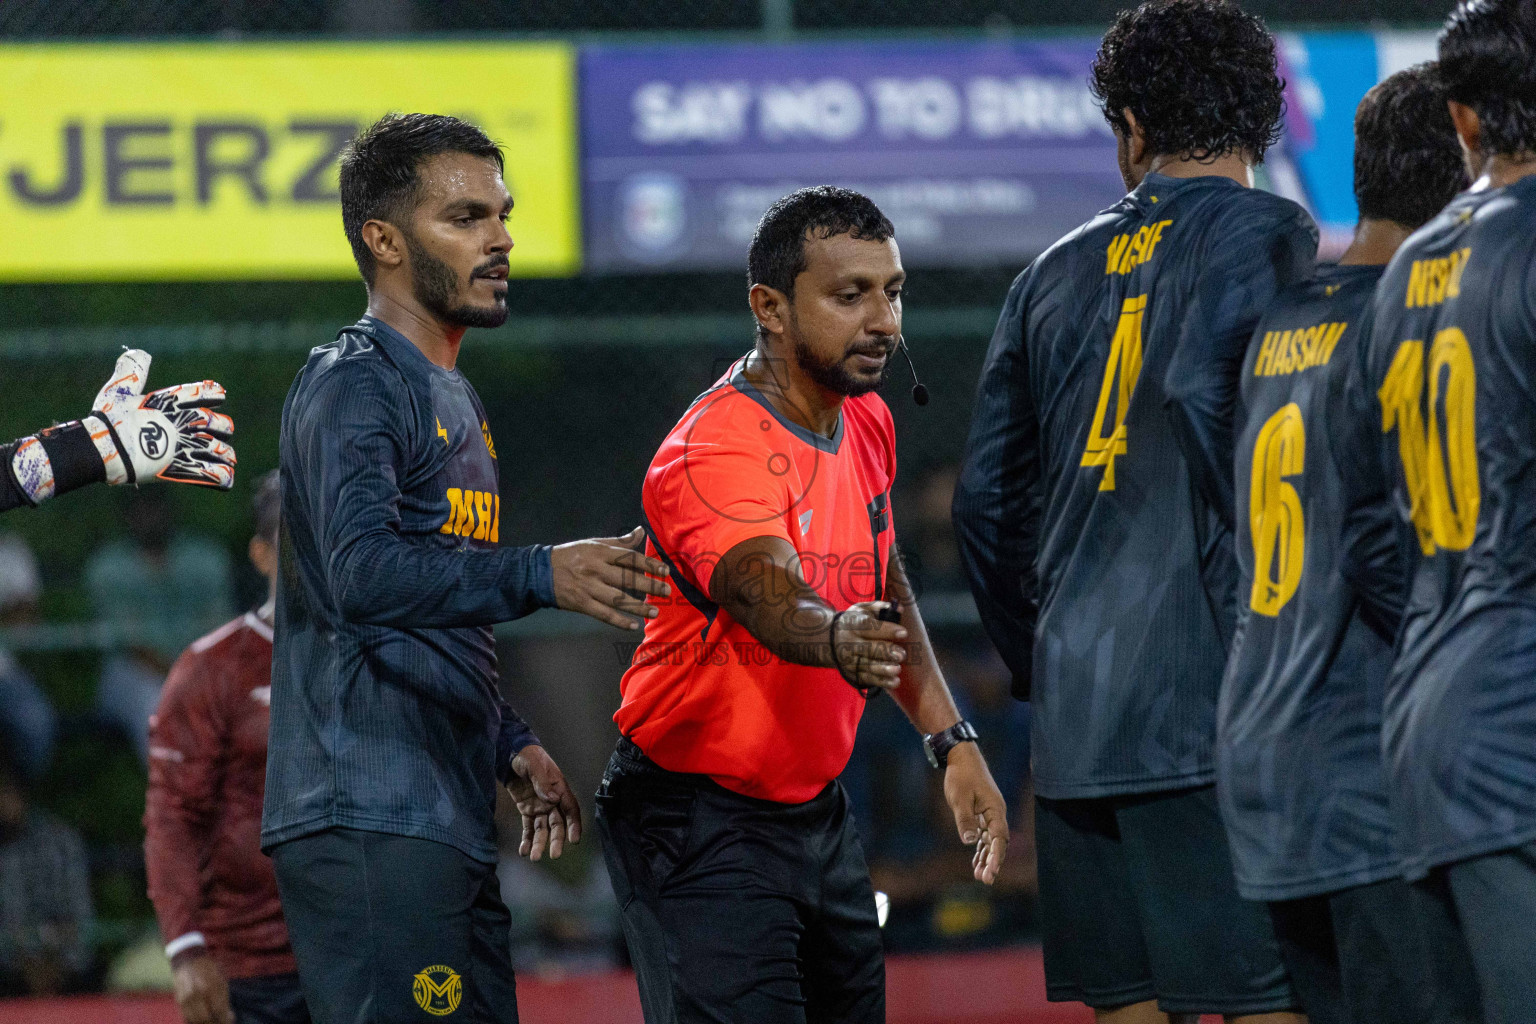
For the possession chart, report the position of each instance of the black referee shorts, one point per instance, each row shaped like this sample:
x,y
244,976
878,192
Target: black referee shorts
x,y
737,909
394,930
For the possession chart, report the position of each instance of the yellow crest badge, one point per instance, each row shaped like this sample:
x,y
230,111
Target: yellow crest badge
x,y
438,990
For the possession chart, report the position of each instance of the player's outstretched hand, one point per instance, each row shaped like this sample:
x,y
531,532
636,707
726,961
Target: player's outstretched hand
x,y
551,815
867,649
601,578
981,817
202,994
172,434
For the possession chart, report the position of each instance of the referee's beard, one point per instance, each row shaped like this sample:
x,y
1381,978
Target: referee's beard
x,y
436,286
834,375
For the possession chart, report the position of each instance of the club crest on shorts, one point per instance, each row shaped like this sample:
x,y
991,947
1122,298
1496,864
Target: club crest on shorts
x,y
438,989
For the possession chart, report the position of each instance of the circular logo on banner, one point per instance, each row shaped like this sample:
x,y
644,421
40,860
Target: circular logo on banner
x,y
438,990
152,440
653,214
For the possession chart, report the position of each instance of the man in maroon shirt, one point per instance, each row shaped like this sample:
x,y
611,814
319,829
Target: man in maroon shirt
x,y
214,891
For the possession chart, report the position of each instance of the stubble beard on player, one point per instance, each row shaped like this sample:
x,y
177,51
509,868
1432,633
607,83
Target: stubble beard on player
x,y
833,374
436,287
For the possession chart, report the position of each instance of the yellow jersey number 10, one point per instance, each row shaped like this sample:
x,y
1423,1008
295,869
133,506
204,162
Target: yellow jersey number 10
x,y
1106,440
1441,476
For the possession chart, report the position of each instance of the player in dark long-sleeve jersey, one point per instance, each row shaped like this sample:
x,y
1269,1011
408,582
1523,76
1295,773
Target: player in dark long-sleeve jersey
x,y
1299,770
1447,392
1093,515
388,732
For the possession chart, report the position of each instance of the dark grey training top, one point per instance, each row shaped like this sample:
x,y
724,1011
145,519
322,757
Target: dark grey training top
x,y
385,710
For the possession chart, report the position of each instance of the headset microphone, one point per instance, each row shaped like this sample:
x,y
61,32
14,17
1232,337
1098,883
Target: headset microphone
x,y
919,393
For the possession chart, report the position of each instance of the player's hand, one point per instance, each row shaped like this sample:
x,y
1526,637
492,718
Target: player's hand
x,y
202,994
551,815
867,650
981,817
600,578
172,434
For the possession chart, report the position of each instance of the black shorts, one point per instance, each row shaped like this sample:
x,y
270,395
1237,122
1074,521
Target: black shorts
x,y
1492,899
1374,953
394,930
268,999
1138,902
740,909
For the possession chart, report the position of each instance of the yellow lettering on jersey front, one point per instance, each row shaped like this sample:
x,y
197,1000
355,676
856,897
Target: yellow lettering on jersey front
x,y
1444,493
1274,510
482,516
1121,372
1432,281
475,514
1133,248
1284,352
455,499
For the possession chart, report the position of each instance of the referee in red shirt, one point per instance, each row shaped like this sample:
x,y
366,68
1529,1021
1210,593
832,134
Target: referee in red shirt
x,y
744,892
214,891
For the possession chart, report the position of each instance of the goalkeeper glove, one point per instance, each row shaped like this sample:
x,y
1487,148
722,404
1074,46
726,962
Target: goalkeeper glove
x,y
131,438
171,434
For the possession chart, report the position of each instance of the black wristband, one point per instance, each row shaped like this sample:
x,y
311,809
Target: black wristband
x,y
73,455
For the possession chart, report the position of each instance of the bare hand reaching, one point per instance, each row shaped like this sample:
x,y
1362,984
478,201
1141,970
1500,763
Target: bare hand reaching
x,y
981,817
551,815
599,577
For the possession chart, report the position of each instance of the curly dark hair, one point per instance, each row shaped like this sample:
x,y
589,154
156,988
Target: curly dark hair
x,y
777,254
1200,76
1408,164
380,171
1488,62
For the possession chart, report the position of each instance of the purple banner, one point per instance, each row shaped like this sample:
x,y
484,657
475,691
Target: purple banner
x,y
979,152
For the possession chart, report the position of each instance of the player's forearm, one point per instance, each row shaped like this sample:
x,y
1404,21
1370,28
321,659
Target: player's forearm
x,y
923,694
781,612
174,845
50,462
514,735
383,580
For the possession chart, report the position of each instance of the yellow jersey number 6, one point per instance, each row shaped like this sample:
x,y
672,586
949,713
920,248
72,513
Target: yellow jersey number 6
x,y
1107,440
1443,491
1274,511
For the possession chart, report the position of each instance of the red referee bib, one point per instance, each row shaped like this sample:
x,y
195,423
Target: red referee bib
x,y
702,695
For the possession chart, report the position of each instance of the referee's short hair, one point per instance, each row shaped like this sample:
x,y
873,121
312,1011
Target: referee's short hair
x,y
777,254
380,171
268,506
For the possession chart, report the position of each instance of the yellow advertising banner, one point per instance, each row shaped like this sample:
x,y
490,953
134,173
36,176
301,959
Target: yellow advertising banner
x,y
219,161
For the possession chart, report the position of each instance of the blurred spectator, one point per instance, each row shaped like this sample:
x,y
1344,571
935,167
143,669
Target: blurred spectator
x,y
158,589
214,891
46,915
28,723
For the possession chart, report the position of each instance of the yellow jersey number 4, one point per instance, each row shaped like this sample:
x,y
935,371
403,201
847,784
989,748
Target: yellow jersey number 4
x,y
1275,520
1106,439
1444,495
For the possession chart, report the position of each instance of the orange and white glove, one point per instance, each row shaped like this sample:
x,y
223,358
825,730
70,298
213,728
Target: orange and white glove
x,y
172,434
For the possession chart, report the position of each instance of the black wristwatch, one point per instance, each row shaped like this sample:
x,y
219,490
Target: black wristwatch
x,y
937,745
